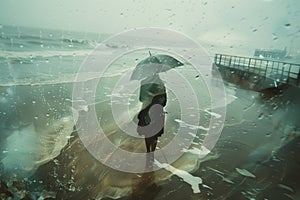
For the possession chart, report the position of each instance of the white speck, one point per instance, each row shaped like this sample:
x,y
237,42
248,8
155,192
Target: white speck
x,y
201,152
187,177
216,115
193,135
190,126
215,170
206,186
227,180
245,172
285,187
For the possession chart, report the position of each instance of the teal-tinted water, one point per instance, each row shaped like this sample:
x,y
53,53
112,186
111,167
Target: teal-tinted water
x,y
42,156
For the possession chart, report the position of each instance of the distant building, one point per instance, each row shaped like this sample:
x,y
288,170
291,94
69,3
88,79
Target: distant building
x,y
273,53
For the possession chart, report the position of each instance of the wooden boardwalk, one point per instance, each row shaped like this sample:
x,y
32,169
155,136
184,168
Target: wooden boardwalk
x,y
279,72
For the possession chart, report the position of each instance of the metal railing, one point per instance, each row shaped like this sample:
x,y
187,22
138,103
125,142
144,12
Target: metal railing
x,y
278,71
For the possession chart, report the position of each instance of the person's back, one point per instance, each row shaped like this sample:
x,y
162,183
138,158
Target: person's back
x,y
151,117
150,88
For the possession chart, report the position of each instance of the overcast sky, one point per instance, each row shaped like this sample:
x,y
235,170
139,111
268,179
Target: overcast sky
x,y
233,24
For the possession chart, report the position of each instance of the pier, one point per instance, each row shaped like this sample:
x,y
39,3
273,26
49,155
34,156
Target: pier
x,y
256,73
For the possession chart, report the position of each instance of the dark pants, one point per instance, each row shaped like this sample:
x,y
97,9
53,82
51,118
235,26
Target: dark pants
x,y
151,143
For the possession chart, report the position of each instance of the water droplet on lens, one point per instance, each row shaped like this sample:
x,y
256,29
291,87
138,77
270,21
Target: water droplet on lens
x,y
261,116
268,134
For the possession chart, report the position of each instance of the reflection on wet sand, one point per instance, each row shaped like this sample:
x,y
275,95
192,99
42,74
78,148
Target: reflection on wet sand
x,y
144,186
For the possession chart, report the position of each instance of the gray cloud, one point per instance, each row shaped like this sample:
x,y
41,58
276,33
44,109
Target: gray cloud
x,y
229,24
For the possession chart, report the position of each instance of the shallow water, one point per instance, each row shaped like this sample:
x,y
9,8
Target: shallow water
x,y
42,155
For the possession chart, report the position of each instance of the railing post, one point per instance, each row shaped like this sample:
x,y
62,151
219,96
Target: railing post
x,y
215,58
298,77
282,71
289,73
265,75
249,63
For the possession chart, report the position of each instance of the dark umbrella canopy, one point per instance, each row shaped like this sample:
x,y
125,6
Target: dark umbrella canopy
x,y
153,65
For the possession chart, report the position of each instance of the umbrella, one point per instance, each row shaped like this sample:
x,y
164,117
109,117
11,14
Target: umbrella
x,y
154,64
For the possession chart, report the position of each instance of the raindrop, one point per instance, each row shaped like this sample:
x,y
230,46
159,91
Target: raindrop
x,y
261,116
72,188
268,134
21,46
33,102
36,117
47,114
274,37
287,25
73,169
254,30
266,18
56,162
47,60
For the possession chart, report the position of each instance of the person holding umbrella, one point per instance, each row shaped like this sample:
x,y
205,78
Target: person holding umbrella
x,y
153,96
151,117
